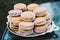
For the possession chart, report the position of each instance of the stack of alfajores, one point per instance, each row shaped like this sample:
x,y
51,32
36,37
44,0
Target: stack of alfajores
x,y
29,19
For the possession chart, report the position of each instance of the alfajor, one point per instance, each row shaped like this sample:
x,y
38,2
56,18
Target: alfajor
x,y
40,21
26,25
28,16
13,27
14,23
15,12
47,16
41,11
41,29
20,6
14,19
32,6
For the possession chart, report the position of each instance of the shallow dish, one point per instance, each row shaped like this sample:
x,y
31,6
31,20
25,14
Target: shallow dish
x,y
53,27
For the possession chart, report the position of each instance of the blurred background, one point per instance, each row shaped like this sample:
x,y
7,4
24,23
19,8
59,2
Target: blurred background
x,y
6,5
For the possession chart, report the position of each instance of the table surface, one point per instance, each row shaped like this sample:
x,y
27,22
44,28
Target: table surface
x,y
53,8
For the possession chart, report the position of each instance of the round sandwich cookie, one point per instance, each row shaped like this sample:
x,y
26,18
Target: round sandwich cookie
x,y
28,16
20,6
49,21
14,28
14,23
14,19
47,16
41,29
25,32
41,11
40,21
14,12
32,6
26,25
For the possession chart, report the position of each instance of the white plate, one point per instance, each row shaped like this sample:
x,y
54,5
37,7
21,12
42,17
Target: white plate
x,y
51,28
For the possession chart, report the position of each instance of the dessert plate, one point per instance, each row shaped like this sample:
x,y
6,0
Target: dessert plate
x,y
51,28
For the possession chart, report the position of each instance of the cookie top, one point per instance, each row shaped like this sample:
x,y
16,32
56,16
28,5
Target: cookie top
x,y
20,6
32,6
28,14
40,11
14,12
14,19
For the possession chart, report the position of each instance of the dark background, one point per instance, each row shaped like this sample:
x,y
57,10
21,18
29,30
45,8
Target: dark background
x,y
6,5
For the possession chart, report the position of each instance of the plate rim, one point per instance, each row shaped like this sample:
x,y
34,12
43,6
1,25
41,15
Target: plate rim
x,y
36,34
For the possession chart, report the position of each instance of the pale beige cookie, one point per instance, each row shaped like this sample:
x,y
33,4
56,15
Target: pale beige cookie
x,y
14,19
32,6
28,16
14,28
25,32
40,21
14,12
40,11
47,16
41,28
26,25
20,6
